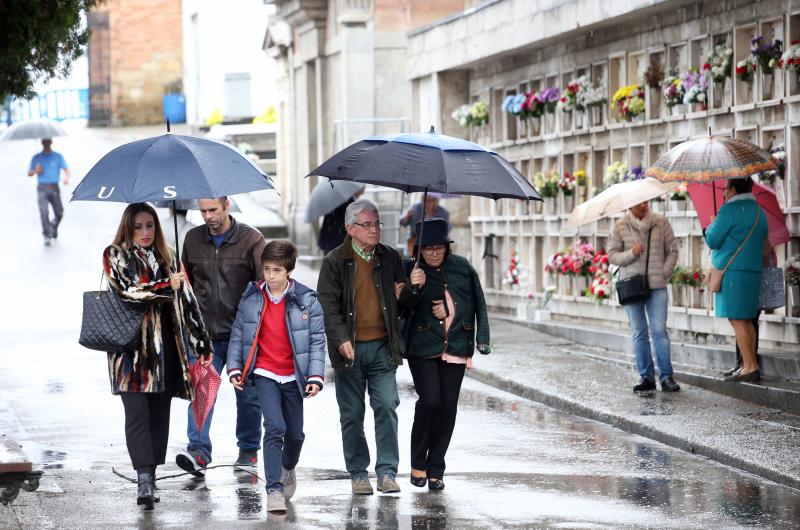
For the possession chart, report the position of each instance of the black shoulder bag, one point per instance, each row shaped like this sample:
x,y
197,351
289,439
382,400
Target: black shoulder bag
x,y
109,323
637,287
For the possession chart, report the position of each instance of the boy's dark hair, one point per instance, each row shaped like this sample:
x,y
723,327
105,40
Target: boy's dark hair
x,y
280,251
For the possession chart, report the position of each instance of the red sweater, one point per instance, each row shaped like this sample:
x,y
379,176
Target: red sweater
x,y
274,349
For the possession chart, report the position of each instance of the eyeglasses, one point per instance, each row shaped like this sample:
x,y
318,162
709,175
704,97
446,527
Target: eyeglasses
x,y
369,226
434,250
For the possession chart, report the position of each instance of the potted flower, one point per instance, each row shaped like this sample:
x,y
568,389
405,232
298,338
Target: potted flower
x,y
547,184
462,114
778,152
478,114
593,99
767,57
676,282
534,108
540,182
695,86
600,286
553,266
615,173
580,261
636,173
511,276
543,314
549,98
746,70
580,184
629,102
653,78
693,279
793,282
566,185
720,61
673,93
790,62
677,198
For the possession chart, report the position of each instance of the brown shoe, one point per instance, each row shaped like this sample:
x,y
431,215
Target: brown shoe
x,y
749,377
388,484
361,486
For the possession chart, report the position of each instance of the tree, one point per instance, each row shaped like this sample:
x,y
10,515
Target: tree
x,y
38,41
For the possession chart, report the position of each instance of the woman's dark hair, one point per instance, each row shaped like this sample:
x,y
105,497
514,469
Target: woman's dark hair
x,y
281,252
415,252
740,186
124,237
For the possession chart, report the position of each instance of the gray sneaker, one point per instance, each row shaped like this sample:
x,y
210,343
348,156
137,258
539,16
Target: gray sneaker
x,y
289,481
361,486
275,501
388,484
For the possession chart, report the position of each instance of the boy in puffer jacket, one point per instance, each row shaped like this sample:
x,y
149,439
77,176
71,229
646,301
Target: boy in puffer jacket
x,y
278,344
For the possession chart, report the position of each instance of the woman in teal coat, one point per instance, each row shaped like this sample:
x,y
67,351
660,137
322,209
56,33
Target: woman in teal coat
x,y
449,322
738,297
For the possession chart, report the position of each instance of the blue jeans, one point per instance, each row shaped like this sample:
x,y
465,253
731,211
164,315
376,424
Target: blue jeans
x,y
655,307
282,405
248,413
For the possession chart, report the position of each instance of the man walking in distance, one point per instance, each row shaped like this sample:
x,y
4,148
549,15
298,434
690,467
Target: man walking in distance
x,y
361,284
221,258
47,166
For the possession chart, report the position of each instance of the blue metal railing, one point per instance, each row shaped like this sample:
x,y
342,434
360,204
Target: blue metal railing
x,y
57,105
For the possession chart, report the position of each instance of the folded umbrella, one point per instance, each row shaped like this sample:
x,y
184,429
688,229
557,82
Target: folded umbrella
x,y
206,382
705,205
617,198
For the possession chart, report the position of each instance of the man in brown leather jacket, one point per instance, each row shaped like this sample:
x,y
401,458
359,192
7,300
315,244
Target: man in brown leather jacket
x,y
221,258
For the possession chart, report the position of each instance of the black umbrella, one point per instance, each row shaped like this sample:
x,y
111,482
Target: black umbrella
x,y
171,167
428,162
327,196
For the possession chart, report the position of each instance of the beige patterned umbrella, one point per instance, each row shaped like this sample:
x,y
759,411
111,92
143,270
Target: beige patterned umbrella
x,y
711,158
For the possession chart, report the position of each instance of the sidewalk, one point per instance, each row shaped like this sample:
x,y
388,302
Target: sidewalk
x,y
761,440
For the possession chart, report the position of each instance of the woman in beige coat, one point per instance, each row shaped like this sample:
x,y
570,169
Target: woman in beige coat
x,y
627,248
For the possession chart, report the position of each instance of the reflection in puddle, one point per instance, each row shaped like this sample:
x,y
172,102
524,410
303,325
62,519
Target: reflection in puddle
x,y
54,387
53,459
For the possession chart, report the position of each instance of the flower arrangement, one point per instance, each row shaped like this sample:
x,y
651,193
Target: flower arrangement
x,y
654,75
513,104
680,193
554,263
767,55
595,96
629,101
580,177
479,113
746,69
512,274
574,94
695,85
720,61
790,60
580,260
615,173
533,105
549,98
793,271
636,173
600,288
546,184
677,276
778,152
566,184
693,277
548,294
673,90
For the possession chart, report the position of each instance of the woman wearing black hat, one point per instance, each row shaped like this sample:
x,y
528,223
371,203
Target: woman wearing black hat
x,y
440,347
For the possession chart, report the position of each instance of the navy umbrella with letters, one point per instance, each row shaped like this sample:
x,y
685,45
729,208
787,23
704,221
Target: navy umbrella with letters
x,y
170,167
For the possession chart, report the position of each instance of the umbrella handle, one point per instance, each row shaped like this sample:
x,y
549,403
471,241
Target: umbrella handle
x,y
414,288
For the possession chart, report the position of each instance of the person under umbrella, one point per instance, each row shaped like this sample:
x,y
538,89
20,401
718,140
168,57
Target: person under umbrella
x,y
47,166
142,268
332,232
644,243
417,213
737,237
449,319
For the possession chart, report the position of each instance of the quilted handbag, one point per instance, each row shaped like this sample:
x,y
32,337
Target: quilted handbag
x,y
773,289
636,288
109,323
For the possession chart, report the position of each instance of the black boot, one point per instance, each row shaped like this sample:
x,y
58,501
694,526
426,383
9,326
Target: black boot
x,y
146,494
156,496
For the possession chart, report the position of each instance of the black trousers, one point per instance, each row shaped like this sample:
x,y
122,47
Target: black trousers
x,y
147,414
438,385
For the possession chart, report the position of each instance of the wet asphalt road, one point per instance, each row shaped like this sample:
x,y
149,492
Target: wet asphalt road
x,y
513,463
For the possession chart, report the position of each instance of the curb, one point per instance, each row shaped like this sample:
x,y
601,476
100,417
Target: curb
x,y
578,409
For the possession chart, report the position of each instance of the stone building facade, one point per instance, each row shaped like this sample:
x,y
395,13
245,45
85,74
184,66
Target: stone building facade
x,y
504,47
342,77
135,55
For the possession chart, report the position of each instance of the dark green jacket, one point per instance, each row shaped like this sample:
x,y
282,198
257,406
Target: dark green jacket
x,y
427,336
336,288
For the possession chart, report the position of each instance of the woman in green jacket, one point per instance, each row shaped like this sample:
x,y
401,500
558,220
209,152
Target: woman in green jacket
x,y
738,297
440,347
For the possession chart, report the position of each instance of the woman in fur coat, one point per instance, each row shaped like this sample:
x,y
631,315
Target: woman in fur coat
x,y
142,268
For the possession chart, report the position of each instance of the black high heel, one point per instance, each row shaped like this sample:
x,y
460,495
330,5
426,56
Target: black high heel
x,y
435,484
418,481
146,494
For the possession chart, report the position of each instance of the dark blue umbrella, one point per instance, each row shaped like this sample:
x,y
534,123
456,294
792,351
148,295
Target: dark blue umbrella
x,y
170,167
428,162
